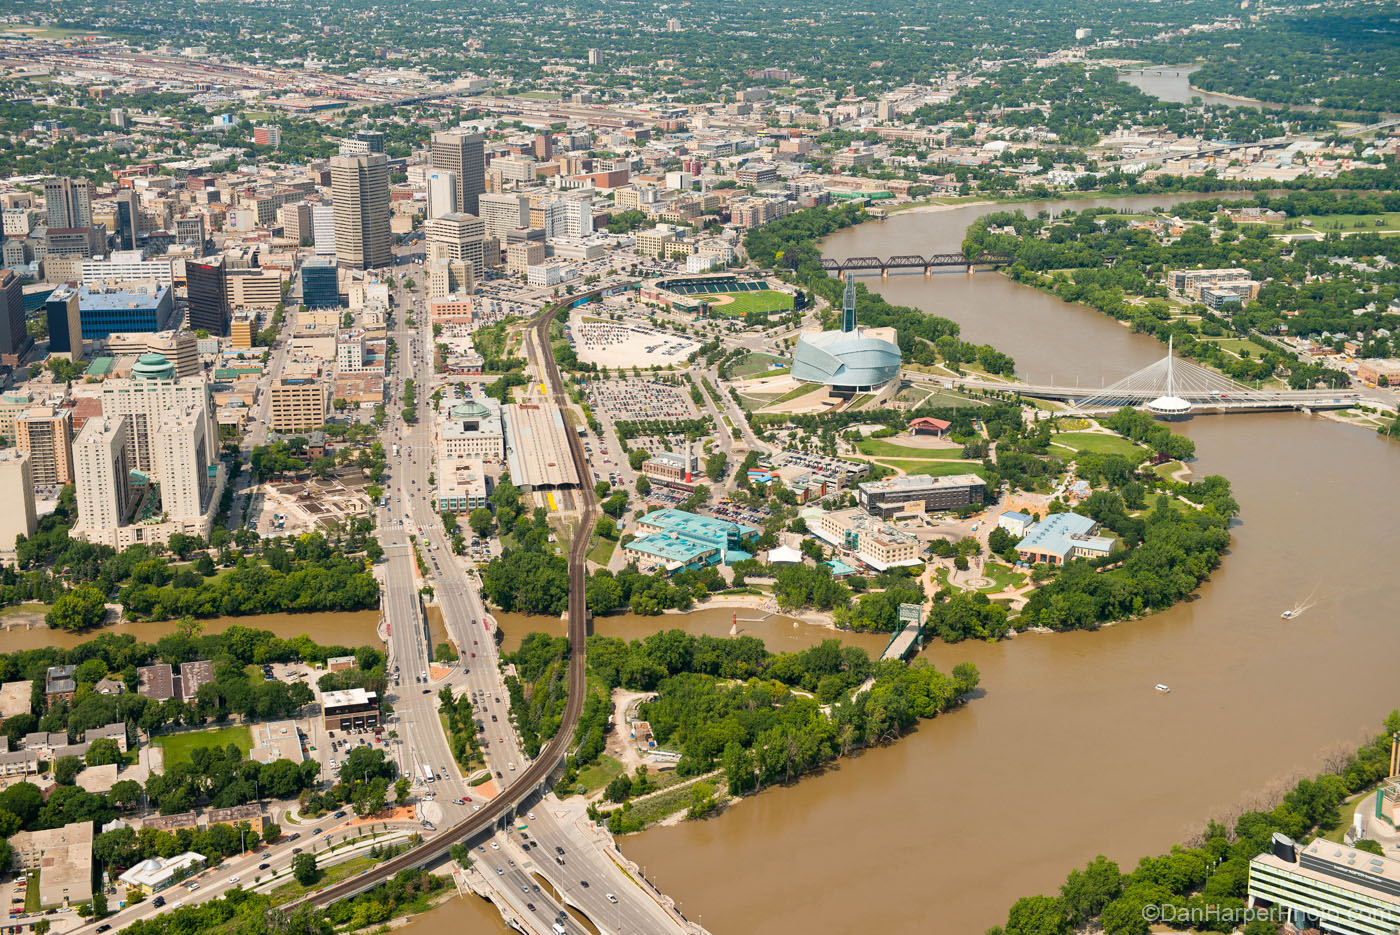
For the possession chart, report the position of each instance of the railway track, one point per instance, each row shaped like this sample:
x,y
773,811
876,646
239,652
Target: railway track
x,y
554,752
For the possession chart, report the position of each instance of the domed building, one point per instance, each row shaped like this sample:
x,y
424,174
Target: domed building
x,y
851,360
152,367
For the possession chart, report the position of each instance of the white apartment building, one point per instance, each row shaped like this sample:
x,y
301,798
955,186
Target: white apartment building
x,y
323,229
101,470
19,519
350,352
550,274
181,463
127,266
152,393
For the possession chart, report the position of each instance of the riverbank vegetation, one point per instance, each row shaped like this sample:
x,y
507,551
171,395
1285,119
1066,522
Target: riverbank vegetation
x,y
1329,289
231,574
761,717
539,688
1206,880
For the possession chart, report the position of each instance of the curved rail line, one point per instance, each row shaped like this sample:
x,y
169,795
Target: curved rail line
x,y
555,751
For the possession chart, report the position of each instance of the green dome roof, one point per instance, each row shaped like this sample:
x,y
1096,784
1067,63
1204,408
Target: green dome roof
x,y
471,409
153,367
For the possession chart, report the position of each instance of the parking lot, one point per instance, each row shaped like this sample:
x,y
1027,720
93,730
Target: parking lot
x,y
637,400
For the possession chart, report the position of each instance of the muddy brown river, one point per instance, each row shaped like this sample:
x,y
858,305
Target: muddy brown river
x,y
1071,753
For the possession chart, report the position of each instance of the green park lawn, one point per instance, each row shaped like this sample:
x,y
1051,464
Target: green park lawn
x,y
286,892
1235,345
880,447
1098,444
937,468
802,390
1332,223
177,747
602,550
597,775
753,363
766,300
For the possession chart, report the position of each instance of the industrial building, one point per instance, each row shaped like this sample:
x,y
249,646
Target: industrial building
x,y
920,493
850,360
537,447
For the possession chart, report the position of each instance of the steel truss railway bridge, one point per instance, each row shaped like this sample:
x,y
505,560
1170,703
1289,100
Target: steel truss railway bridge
x,y
868,264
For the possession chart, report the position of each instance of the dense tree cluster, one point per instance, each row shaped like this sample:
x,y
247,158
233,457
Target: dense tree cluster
x,y
1178,551
649,594
312,577
731,703
539,688
461,727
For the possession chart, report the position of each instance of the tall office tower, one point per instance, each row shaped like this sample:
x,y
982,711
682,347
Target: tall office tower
x,y
595,56
323,229
544,146
207,286
442,193
462,236
464,154
16,478
47,435
65,322
69,202
373,139
102,454
128,219
503,213
152,392
360,187
182,462
14,337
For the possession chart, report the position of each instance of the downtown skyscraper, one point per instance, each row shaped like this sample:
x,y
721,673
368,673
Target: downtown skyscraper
x,y
464,155
360,189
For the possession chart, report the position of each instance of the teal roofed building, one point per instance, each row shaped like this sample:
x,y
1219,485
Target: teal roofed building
x,y
676,540
152,367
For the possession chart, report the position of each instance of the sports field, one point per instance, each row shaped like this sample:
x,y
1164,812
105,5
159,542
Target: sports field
x,y
741,303
177,747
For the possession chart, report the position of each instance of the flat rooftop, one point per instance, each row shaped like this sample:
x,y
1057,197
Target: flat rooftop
x,y
920,482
